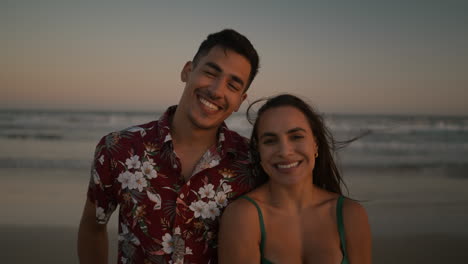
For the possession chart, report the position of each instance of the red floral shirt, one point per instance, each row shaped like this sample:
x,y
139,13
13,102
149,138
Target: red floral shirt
x,y
163,218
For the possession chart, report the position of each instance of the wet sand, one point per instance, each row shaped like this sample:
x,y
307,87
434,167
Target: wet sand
x,y
415,216
34,244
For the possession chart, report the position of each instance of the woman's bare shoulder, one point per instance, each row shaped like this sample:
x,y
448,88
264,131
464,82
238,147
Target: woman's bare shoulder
x,y
242,211
357,232
353,211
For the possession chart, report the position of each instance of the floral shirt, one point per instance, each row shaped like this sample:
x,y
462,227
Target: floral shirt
x,y
162,217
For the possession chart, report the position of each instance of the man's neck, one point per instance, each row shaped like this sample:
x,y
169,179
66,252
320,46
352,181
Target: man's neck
x,y
190,143
184,133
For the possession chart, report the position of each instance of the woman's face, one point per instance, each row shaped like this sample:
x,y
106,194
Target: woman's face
x,y
286,145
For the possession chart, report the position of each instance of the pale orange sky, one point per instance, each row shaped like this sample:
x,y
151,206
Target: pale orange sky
x,y
368,58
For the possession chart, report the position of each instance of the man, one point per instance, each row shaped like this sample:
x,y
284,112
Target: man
x,y
171,178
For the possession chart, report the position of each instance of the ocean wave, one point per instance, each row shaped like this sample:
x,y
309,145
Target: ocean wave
x,y
39,163
71,120
408,146
394,140
33,136
397,124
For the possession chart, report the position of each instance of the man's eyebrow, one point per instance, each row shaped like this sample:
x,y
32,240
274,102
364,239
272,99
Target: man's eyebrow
x,y
216,67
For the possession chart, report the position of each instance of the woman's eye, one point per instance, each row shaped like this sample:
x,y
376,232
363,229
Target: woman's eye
x,y
268,141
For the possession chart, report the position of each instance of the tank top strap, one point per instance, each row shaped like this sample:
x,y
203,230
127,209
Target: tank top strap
x,y
260,218
340,223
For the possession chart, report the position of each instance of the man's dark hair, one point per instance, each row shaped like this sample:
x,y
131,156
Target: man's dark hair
x,y
231,40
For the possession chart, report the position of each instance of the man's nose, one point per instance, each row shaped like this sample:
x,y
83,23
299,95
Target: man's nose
x,y
216,88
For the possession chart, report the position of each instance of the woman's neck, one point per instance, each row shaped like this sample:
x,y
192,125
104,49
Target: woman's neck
x,y
292,197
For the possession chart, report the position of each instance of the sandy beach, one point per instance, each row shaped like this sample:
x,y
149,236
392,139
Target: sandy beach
x,y
40,244
416,216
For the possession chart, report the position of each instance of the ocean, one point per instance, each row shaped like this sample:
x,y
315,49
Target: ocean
x,y
65,139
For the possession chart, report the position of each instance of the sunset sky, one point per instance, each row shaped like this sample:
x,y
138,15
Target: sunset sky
x,y
392,57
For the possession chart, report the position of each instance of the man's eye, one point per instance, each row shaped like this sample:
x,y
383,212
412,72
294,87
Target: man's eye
x,y
233,87
296,137
209,73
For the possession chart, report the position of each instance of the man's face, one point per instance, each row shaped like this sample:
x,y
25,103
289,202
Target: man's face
x,y
214,87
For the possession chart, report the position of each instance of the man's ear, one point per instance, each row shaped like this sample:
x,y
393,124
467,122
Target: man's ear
x,y
244,96
186,71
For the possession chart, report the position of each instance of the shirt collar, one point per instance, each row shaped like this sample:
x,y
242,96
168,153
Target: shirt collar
x,y
225,143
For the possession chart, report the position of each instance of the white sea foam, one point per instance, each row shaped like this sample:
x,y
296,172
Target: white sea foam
x,y
394,140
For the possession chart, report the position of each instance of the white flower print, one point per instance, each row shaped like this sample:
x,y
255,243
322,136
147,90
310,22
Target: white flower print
x,y
137,129
133,162
207,191
168,241
210,210
140,181
227,188
148,170
101,216
205,210
221,199
188,251
209,160
101,159
178,243
205,213
177,231
168,244
155,198
126,179
197,208
221,137
214,163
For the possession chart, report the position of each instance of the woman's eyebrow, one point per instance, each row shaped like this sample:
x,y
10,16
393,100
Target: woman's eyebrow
x,y
267,134
296,129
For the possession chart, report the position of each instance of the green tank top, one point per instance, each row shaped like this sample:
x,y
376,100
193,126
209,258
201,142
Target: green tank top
x,y
339,222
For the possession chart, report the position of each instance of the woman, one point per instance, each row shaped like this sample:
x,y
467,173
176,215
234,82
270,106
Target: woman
x,y
299,214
